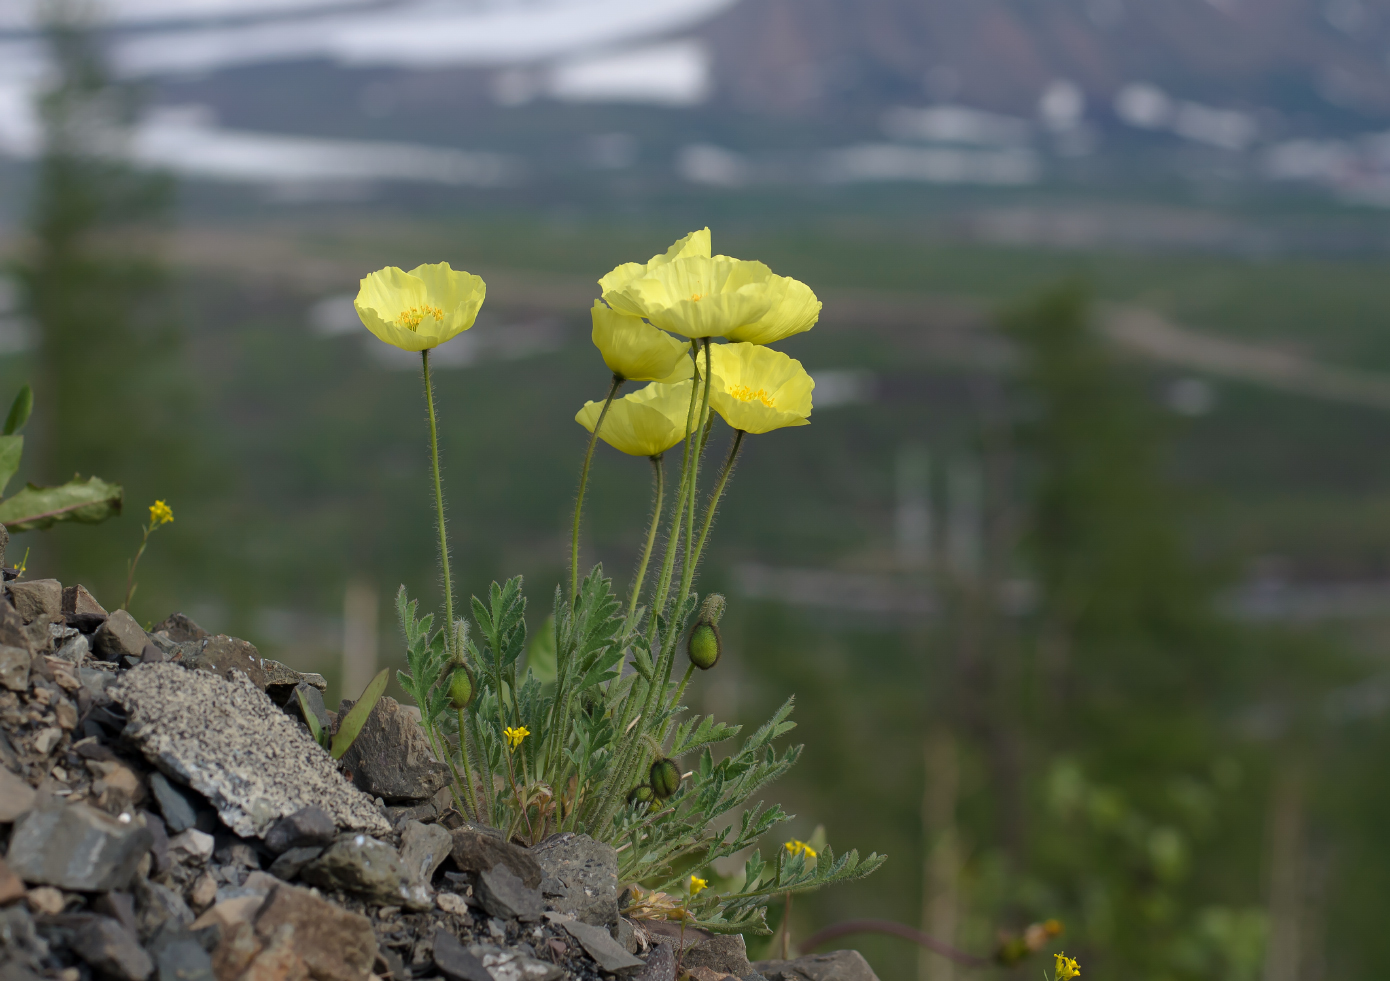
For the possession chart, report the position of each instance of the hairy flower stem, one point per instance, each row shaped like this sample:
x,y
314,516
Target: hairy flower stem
x,y
583,483
786,926
489,785
439,510
718,492
441,749
467,766
659,476
130,569
520,802
676,699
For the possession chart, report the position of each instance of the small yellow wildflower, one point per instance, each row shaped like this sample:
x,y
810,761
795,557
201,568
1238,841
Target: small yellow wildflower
x,y
1066,968
796,848
160,514
515,736
697,885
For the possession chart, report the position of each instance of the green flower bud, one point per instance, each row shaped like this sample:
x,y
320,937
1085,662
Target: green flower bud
x,y
461,688
711,610
640,794
665,778
705,646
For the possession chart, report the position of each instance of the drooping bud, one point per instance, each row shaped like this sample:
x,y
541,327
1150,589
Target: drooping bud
x,y
640,794
665,778
462,688
705,644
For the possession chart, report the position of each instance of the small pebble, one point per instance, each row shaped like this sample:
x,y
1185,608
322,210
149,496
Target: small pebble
x,y
46,899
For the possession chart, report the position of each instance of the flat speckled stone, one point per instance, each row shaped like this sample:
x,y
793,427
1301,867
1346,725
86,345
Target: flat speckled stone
x,y
230,743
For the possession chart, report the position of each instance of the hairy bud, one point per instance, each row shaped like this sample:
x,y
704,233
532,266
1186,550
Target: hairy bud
x,y
711,610
640,794
665,778
705,646
462,688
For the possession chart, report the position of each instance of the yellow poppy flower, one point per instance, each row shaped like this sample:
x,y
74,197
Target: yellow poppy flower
x,y
697,885
694,244
698,296
160,514
757,389
637,351
794,309
645,423
420,309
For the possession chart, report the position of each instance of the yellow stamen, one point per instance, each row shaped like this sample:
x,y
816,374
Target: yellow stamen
x,y
411,317
745,394
696,297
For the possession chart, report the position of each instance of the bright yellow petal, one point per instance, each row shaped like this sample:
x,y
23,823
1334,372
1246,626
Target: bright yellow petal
x,y
419,309
757,389
694,244
458,294
635,349
645,423
794,309
697,296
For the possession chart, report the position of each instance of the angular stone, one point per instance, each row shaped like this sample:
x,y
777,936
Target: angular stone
x,y
12,630
183,959
423,848
192,845
277,960
607,953
46,899
76,847
506,897
221,654
179,628
74,648
391,758
478,851
79,602
305,828
11,885
159,847
112,949
725,953
160,907
14,667
46,739
120,636
454,961
16,796
335,945
179,814
289,864
364,865
230,743
118,905
513,965
279,678
313,698
204,892
589,871
661,964
838,965
38,599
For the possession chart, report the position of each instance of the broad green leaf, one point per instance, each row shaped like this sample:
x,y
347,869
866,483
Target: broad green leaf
x,y
86,501
11,449
357,715
19,411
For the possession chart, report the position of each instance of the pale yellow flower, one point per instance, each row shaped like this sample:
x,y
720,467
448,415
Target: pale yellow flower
x,y
698,296
694,244
160,514
644,423
697,885
420,309
756,389
795,848
515,736
794,309
637,351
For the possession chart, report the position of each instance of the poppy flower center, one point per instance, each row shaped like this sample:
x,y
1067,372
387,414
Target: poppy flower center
x,y
695,297
411,317
745,394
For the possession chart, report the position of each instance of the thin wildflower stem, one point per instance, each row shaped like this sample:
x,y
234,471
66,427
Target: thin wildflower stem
x,y
439,506
583,483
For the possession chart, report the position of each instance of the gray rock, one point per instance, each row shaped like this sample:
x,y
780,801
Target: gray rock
x,y
478,851
79,602
120,636
513,965
607,953
16,796
307,827
38,599
14,667
221,654
391,758
280,679
76,847
183,959
112,949
230,743
159,907
234,851
179,814
73,647
552,888
290,863
838,965
179,629
725,953
423,848
454,961
118,905
661,964
96,681
505,896
589,871
364,865
313,698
